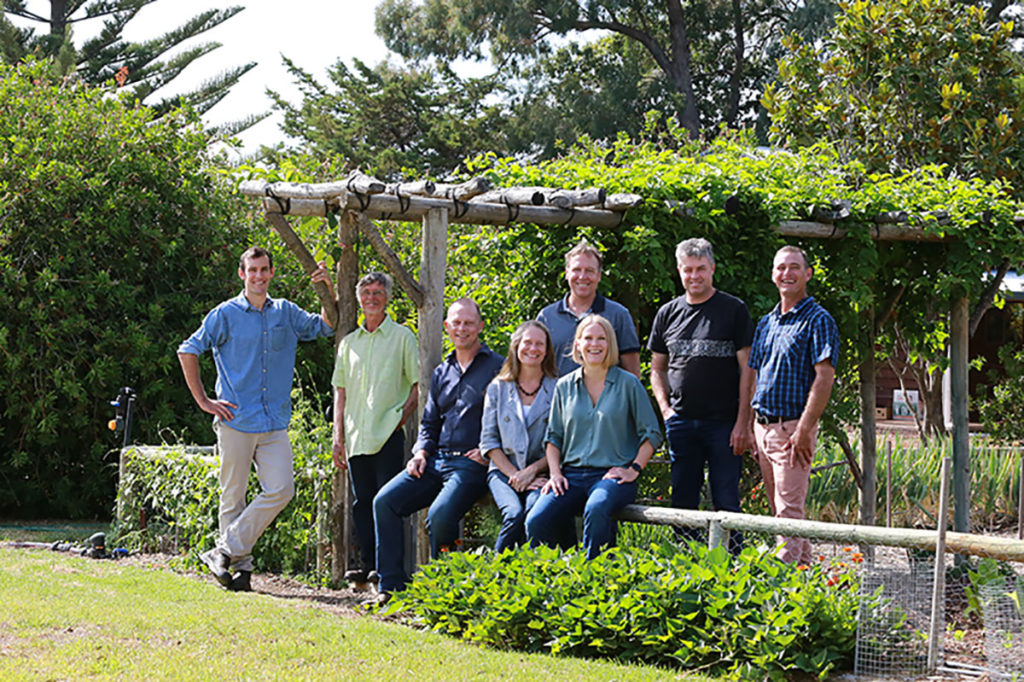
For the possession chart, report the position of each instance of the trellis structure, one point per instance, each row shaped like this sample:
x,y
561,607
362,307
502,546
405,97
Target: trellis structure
x,y
360,199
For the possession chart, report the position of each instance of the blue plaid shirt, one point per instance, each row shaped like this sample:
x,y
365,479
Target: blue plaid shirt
x,y
784,352
254,351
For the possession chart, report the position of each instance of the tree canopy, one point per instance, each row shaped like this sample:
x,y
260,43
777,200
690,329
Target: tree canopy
x,y
144,67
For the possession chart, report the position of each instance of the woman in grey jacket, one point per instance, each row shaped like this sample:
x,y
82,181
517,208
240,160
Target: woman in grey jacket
x,y
515,419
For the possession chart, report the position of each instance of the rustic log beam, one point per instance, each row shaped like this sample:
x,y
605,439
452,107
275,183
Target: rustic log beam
x,y
308,263
464,191
387,254
880,232
622,202
390,207
419,188
294,190
1002,548
358,181
513,196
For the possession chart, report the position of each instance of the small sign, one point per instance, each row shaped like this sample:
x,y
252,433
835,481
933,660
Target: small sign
x,y
905,404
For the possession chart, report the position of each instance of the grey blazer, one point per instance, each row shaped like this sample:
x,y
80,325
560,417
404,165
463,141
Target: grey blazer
x,y
503,426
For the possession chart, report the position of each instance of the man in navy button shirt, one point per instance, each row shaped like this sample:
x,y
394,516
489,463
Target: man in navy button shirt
x,y
253,338
447,471
794,355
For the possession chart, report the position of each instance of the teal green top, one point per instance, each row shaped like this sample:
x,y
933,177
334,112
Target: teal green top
x,y
377,370
607,434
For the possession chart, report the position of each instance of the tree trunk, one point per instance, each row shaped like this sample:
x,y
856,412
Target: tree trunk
x,y
679,67
58,17
736,77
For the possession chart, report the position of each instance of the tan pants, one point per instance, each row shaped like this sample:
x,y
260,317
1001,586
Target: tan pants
x,y
785,483
241,525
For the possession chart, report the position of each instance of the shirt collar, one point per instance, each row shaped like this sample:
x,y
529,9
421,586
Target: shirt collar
x,y
387,321
609,378
597,307
797,309
244,304
483,350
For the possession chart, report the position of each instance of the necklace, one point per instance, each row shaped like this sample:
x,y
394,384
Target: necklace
x,y
528,394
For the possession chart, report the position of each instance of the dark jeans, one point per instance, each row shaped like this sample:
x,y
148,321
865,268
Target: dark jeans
x,y
597,498
692,443
450,486
514,507
368,474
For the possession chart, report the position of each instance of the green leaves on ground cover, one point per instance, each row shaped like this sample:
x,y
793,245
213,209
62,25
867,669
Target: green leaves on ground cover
x,y
702,609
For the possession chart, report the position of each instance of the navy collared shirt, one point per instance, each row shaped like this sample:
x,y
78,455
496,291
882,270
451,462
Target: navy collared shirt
x,y
455,403
784,352
254,351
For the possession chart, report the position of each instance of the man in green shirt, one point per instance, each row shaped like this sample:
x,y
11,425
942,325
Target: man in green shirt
x,y
375,380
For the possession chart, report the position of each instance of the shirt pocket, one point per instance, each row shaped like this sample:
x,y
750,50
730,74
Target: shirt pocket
x,y
278,338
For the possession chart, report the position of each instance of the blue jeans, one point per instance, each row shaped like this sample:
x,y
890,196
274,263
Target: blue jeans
x,y
692,443
597,498
450,486
514,507
368,474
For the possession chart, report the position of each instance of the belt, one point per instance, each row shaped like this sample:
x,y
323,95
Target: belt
x,y
450,454
763,418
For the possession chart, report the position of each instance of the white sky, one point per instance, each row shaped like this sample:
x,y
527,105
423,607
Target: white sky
x,y
312,33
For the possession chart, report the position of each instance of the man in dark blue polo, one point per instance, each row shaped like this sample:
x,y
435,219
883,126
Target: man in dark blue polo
x,y
447,471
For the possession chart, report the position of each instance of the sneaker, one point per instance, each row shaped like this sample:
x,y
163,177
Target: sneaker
x,y
219,564
356,576
241,582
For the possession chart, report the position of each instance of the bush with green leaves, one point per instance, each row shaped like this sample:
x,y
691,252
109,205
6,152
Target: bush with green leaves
x,y
750,615
115,237
168,499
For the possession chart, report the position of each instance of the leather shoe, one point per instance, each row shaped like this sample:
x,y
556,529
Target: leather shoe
x,y
241,582
356,576
219,564
378,600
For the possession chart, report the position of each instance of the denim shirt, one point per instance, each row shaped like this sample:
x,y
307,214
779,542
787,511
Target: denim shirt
x,y
254,352
522,440
607,434
455,403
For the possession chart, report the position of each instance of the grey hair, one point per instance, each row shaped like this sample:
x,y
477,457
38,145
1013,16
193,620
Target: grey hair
x,y
381,278
697,247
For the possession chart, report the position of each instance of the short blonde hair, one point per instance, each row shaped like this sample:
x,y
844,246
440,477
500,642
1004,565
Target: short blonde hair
x,y
612,357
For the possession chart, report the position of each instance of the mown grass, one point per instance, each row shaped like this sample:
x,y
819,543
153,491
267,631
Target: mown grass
x,y
66,617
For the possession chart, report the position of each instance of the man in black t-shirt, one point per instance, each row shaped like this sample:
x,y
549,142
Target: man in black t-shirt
x,y
700,343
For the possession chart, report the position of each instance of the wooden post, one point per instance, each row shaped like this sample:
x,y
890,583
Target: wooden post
x,y
938,587
717,535
959,316
868,450
346,276
431,325
888,485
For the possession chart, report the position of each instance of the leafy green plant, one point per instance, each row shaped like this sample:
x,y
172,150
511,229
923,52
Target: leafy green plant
x,y
169,499
696,609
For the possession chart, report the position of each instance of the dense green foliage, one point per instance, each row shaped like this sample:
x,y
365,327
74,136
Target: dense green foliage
x,y
141,66
114,238
168,499
698,609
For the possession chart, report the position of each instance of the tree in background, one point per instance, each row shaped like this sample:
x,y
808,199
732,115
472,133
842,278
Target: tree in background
x,y
145,67
117,234
712,55
393,121
896,86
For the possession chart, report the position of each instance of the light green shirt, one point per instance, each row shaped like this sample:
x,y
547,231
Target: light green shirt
x,y
377,370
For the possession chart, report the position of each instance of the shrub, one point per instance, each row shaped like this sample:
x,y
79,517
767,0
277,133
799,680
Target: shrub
x,y
748,615
115,236
168,499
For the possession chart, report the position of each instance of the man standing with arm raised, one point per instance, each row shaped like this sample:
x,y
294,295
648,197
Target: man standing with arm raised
x,y
794,355
700,344
253,338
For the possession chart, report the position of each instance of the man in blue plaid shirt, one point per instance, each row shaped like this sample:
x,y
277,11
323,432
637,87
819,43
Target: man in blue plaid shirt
x,y
793,356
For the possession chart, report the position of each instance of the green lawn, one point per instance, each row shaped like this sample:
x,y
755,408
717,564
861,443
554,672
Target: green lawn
x,y
66,617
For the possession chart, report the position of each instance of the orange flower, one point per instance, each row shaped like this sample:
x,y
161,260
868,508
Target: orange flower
x,y
847,549
857,557
802,567
831,582
458,542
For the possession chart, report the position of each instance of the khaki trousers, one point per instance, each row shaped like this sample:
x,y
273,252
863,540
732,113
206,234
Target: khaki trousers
x,y
785,483
241,525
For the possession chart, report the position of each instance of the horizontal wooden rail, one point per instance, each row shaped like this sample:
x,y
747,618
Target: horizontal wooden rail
x,y
1004,549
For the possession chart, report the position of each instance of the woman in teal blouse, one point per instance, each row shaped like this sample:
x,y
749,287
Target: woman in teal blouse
x,y
601,433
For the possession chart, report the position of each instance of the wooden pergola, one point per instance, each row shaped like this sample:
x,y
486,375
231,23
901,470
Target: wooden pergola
x,y
360,199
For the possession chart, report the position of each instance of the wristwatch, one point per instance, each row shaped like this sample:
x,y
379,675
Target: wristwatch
x,y
636,467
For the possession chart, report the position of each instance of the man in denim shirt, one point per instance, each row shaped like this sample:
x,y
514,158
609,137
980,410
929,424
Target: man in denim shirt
x,y
794,355
447,471
253,338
